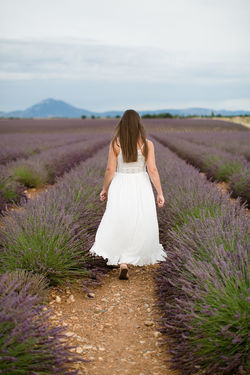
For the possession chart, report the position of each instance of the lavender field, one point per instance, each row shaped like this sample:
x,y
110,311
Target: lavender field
x,y
233,142
19,145
34,153
77,126
218,164
202,288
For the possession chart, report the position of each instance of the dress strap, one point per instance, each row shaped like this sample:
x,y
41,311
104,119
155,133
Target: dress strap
x,y
142,146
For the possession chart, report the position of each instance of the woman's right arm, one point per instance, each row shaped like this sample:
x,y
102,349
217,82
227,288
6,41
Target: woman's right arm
x,y
153,173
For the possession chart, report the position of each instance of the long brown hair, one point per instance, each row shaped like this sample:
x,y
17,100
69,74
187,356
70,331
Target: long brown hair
x,y
128,131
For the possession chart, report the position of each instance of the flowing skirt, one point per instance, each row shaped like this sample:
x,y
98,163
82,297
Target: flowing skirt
x,y
129,231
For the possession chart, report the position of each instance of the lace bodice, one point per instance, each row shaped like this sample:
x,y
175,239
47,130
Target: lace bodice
x,y
133,167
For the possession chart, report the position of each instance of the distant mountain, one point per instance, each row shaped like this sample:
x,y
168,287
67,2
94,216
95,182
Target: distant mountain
x,y
50,108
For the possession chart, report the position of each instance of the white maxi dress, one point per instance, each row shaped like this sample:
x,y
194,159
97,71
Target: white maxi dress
x,y
129,231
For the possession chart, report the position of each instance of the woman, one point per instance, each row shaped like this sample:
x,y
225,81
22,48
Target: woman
x,y
128,232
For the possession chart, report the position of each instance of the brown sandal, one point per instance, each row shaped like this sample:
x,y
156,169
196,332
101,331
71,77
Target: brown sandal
x,y
123,274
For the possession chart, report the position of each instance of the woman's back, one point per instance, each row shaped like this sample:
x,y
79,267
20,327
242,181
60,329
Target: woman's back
x,y
132,167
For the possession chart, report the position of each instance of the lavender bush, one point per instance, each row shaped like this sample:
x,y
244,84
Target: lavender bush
x,y
203,287
33,282
29,343
218,165
239,184
10,191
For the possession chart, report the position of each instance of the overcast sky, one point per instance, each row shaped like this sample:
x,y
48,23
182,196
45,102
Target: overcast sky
x,y
116,54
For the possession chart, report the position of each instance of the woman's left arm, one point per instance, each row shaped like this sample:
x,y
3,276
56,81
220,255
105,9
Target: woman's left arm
x,y
109,173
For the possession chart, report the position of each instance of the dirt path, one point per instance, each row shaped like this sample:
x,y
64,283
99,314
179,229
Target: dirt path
x,y
31,193
117,329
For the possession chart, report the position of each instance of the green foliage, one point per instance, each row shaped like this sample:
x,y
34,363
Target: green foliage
x,y
33,151
208,160
28,175
50,250
8,189
200,211
160,115
227,169
225,325
239,185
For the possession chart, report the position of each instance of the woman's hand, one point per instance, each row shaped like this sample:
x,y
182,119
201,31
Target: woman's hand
x,y
160,200
103,195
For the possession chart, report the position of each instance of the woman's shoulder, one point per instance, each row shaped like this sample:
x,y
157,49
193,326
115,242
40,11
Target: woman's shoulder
x,y
150,143
116,146
117,142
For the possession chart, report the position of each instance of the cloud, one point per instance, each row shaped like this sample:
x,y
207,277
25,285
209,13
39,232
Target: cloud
x,y
80,59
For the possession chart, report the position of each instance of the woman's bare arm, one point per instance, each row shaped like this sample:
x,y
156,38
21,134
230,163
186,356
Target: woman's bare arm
x,y
109,173
152,169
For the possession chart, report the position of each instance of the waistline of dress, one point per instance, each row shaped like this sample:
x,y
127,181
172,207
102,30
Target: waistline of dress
x,y
131,173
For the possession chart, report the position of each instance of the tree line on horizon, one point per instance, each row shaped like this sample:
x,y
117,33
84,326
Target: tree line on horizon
x,y
147,115
167,115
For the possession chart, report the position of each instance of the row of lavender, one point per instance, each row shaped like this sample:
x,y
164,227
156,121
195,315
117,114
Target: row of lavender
x,y
46,243
16,145
218,165
203,286
236,142
43,168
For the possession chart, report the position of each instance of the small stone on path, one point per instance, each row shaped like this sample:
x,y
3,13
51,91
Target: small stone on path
x,y
149,323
